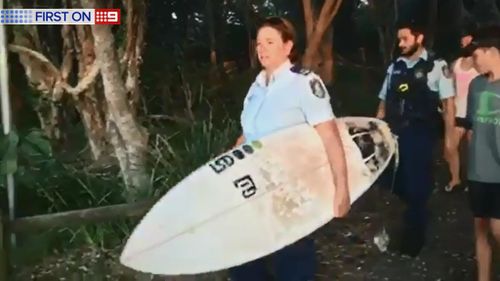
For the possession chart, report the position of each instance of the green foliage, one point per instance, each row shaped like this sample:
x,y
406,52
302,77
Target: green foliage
x,y
8,152
176,156
28,148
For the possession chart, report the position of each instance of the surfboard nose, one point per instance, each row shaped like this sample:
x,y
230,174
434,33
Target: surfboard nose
x,y
127,254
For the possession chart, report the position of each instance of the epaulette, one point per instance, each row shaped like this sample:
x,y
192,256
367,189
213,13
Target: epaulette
x,y
300,70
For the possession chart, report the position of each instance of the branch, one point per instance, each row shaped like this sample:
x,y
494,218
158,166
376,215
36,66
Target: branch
x,y
67,63
309,18
323,16
36,55
328,12
335,10
83,84
177,119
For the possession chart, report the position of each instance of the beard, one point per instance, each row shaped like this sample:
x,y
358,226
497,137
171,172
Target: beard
x,y
411,50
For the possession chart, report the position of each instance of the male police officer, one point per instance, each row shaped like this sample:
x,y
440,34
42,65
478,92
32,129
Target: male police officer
x,y
415,86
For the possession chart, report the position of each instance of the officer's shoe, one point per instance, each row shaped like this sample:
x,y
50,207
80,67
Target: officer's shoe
x,y
412,242
411,249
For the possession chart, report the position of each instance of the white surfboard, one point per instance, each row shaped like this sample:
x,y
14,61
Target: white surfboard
x,y
255,199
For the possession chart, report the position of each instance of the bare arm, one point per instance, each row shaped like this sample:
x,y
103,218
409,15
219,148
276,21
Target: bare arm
x,y
381,110
330,136
447,91
383,93
240,140
449,115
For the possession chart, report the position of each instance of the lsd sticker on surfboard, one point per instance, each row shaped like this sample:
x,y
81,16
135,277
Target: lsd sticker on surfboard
x,y
255,199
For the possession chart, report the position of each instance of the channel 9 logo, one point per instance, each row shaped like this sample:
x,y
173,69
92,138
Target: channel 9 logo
x,y
60,16
107,16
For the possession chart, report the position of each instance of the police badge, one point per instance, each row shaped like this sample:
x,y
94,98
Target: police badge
x,y
317,88
419,74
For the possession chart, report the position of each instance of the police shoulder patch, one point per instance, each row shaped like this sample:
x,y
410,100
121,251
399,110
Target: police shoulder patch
x,y
317,88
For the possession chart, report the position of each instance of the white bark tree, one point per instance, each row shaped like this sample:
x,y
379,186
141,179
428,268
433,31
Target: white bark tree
x,y
108,106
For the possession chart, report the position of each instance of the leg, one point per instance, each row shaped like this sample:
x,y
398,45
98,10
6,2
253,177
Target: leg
x,y
453,158
495,229
483,249
484,199
296,262
417,180
495,214
251,271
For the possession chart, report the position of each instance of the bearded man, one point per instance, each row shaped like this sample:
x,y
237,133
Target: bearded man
x,y
416,100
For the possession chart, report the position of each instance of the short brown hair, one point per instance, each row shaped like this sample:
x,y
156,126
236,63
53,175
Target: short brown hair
x,y
287,31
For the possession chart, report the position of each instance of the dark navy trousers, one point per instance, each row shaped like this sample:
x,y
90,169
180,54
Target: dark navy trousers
x,y
296,262
414,179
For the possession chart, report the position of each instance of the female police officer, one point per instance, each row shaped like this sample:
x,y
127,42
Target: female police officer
x,y
282,96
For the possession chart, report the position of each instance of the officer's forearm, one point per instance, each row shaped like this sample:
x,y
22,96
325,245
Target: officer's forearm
x,y
381,110
330,135
239,141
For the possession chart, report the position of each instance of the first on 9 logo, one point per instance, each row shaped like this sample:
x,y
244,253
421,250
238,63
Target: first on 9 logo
x,y
107,16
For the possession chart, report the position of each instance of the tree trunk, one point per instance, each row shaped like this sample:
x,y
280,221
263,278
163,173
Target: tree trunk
x,y
90,106
326,71
52,83
110,116
136,14
315,32
43,78
309,18
48,115
127,137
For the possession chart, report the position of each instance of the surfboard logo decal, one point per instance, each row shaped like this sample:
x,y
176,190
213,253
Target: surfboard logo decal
x,y
238,154
246,185
247,148
222,163
227,160
257,144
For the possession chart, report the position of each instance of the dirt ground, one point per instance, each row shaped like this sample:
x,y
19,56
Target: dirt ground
x,y
349,254
345,247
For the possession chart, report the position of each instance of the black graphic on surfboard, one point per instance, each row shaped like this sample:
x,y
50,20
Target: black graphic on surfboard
x,y
246,185
227,160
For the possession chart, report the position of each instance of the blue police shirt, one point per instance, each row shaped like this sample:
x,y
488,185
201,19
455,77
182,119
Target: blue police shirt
x,y
290,98
436,78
